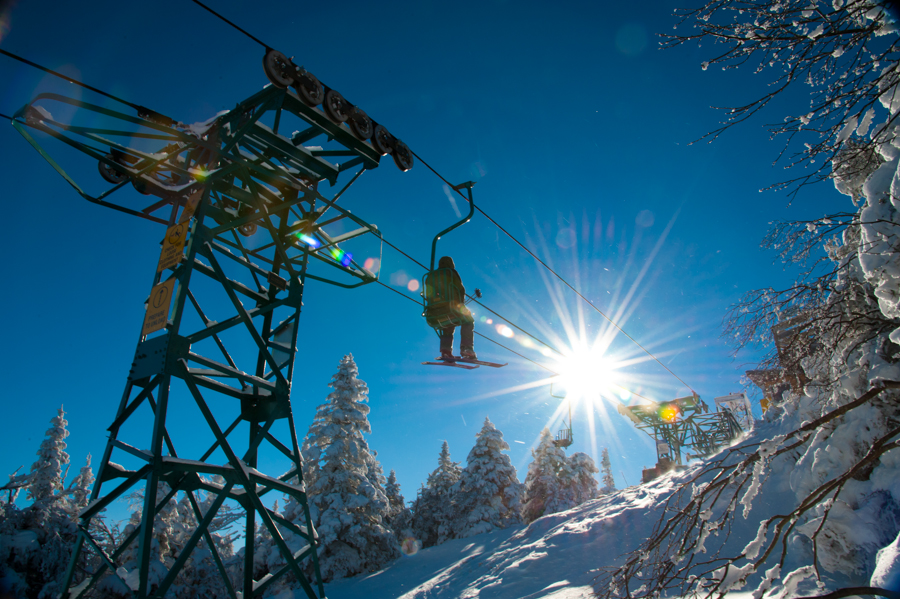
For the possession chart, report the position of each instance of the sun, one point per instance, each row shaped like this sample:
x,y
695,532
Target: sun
x,y
585,374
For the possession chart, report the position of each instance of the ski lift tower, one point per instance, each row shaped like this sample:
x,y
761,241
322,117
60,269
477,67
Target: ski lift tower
x,y
564,437
681,423
246,221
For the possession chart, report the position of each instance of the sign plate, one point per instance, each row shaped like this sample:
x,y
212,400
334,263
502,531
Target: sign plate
x,y
172,247
190,206
158,307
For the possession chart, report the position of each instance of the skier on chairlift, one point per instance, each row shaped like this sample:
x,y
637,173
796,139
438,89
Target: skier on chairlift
x,y
457,311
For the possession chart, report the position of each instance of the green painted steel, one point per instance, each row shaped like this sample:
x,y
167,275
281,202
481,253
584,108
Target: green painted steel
x,y
564,437
438,289
683,423
468,186
229,180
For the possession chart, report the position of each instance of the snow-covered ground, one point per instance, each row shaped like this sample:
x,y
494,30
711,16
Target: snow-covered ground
x,y
559,556
556,556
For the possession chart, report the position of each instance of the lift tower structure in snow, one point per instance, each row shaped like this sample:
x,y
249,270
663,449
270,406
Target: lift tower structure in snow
x,y
247,222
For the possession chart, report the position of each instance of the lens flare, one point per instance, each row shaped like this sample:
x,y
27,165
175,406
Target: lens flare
x,y
5,18
668,412
399,278
413,285
310,241
410,546
344,258
505,330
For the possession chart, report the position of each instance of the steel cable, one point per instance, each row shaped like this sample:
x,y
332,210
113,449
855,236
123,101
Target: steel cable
x,y
557,275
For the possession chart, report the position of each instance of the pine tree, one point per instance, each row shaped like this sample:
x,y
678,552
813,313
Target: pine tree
x,y
432,511
583,471
609,483
33,568
47,473
548,485
395,499
80,488
173,526
348,507
488,495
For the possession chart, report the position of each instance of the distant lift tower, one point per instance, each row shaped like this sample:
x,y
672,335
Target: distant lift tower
x,y
247,222
564,436
682,423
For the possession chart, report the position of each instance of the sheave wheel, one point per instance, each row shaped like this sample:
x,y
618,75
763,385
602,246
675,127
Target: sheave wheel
x,y
403,158
336,107
360,124
108,171
382,141
277,68
247,229
309,89
140,185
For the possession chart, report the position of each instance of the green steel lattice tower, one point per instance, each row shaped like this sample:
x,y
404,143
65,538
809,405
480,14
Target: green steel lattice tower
x,y
247,222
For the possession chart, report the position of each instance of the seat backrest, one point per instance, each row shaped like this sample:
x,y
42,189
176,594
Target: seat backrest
x,y
439,287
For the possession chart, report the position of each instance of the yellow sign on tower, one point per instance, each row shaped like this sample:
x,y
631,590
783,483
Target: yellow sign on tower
x,y
190,206
158,307
172,247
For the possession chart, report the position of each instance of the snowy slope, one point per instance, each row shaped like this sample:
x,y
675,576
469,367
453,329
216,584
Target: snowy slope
x,y
555,556
559,556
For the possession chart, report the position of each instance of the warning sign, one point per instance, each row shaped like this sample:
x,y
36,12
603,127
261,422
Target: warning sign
x,y
172,247
190,206
158,307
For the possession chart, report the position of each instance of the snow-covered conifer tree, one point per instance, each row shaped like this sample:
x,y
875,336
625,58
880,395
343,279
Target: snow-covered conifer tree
x,y
80,488
47,472
36,542
583,470
432,511
348,508
488,495
609,482
396,504
549,483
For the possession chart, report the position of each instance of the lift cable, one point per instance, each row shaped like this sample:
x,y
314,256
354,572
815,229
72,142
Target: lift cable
x,y
153,115
66,77
400,293
142,111
404,253
509,322
550,347
517,353
145,110
257,40
557,275
509,349
3,116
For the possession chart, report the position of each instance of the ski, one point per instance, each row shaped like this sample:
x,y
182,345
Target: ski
x,y
481,363
450,363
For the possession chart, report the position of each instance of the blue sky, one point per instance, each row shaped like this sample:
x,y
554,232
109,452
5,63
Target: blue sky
x,y
576,129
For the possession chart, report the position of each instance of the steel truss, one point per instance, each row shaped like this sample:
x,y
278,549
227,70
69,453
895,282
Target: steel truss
x,y
680,424
244,202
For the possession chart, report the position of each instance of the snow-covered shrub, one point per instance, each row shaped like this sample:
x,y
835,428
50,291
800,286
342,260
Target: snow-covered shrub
x,y
488,495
